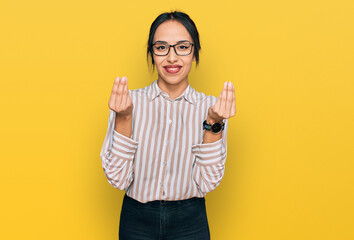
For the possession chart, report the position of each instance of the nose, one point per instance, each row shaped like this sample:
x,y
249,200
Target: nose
x,y
172,56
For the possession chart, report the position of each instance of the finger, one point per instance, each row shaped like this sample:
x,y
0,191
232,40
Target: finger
x,y
223,100
124,95
228,103
233,107
112,99
120,93
129,100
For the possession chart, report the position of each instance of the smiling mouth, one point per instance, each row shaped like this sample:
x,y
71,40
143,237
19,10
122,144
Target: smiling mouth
x,y
173,69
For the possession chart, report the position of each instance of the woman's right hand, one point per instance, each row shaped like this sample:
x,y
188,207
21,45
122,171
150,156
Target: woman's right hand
x,y
120,100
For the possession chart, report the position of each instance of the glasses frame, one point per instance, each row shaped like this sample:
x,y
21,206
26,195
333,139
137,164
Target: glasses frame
x,y
174,47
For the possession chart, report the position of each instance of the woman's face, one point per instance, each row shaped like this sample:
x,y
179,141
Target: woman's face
x,y
172,32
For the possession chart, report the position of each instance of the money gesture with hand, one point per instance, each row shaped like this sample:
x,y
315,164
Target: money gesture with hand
x,y
120,100
122,104
225,106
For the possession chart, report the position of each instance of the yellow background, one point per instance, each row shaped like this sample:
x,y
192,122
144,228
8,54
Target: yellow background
x,y
289,173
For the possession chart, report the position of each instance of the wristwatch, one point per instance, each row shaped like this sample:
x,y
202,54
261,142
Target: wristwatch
x,y
214,128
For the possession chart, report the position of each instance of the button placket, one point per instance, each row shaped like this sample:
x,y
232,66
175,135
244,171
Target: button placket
x,y
167,121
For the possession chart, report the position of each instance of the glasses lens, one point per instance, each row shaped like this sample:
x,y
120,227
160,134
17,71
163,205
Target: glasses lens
x,y
160,49
184,48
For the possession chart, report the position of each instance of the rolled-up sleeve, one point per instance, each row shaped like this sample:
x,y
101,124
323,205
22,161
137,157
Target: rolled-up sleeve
x,y
209,165
117,155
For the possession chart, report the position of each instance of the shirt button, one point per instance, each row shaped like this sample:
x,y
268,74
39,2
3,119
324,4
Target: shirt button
x,y
164,163
170,121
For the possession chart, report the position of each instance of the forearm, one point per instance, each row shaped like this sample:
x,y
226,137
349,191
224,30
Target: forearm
x,y
123,125
210,158
117,157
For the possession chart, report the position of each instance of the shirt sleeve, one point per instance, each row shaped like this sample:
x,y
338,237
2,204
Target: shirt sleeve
x,y
209,166
117,155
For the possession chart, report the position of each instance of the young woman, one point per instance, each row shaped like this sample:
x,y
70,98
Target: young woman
x,y
166,143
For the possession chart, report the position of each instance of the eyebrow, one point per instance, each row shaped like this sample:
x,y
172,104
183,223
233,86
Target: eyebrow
x,y
177,42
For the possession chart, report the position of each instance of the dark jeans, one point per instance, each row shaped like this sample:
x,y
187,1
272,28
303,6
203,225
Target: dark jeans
x,y
173,220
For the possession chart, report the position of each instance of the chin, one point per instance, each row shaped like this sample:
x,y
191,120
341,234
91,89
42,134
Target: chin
x,y
172,80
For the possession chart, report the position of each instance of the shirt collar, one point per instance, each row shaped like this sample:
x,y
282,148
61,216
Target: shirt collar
x,y
188,94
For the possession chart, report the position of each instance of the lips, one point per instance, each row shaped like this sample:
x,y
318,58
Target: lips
x,y
172,68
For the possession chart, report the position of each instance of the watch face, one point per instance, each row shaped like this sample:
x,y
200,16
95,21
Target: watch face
x,y
216,127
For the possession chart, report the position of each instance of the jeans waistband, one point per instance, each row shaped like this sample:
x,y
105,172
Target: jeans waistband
x,y
165,202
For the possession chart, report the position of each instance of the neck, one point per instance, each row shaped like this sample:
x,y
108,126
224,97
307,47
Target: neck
x,y
173,90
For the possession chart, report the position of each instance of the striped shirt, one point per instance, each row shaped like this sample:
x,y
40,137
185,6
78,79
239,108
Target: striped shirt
x,y
164,159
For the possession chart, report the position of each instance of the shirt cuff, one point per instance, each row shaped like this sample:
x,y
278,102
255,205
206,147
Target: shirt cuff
x,y
209,153
123,146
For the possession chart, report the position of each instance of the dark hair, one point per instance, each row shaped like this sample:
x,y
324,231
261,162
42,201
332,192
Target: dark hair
x,y
187,23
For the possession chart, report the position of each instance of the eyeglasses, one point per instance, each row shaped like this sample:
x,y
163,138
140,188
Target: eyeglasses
x,y
181,49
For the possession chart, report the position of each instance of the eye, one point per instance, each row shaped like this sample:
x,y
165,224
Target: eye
x,y
183,46
161,47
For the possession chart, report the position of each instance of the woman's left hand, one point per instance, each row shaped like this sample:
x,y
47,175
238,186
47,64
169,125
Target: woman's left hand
x,y
225,106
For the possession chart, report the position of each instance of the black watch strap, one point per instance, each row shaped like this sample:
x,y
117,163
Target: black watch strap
x,y
215,127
